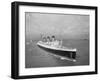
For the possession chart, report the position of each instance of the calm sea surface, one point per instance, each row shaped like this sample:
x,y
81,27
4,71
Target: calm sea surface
x,y
36,57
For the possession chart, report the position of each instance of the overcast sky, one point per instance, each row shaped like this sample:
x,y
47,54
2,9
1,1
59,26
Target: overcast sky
x,y
65,26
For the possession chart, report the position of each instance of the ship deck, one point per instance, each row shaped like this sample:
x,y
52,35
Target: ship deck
x,y
40,43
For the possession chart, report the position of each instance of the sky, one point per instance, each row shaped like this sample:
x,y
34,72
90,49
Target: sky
x,y
65,26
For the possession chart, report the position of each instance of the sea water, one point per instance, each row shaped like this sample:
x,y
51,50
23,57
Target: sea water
x,y
36,57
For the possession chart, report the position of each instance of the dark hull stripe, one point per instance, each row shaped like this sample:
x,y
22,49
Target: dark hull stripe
x,y
68,54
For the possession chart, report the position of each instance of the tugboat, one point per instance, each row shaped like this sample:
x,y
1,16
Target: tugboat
x,y
55,47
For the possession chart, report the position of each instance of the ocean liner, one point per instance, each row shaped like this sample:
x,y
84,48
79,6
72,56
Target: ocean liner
x,y
58,50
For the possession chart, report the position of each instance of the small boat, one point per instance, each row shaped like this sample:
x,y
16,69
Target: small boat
x,y
62,52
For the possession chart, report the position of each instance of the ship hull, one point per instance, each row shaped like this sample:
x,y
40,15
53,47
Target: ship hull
x,y
64,53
